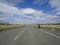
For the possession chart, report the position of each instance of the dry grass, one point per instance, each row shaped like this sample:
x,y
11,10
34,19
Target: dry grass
x,y
4,27
51,27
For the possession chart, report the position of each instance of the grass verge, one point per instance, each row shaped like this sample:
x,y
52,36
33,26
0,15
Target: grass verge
x,y
50,27
5,27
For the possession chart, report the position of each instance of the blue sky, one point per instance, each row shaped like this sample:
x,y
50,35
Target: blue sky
x,y
29,11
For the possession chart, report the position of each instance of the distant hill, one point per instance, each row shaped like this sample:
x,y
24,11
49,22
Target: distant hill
x,y
4,23
58,23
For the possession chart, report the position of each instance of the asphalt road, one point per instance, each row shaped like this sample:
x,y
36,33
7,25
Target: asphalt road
x,y
28,36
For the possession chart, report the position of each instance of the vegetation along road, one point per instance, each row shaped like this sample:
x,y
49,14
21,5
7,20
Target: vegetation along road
x,y
29,35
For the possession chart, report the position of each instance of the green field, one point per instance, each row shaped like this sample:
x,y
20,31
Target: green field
x,y
5,27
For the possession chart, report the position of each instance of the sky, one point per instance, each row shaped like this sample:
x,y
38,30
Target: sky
x,y
29,11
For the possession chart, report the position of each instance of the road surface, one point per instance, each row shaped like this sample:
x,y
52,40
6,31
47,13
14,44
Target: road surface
x,y
28,36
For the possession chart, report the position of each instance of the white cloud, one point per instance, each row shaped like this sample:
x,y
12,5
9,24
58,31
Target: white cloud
x,y
55,4
28,11
2,19
8,10
50,17
12,2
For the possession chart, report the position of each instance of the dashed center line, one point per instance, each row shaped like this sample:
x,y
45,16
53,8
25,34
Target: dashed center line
x,y
19,35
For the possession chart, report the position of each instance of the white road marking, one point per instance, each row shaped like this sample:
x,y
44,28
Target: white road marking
x,y
51,34
19,34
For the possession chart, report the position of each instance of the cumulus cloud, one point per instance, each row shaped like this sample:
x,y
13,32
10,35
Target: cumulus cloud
x,y
8,10
55,4
28,11
35,15
12,2
39,16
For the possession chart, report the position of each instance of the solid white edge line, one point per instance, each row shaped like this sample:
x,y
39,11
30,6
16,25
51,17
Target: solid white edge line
x,y
51,34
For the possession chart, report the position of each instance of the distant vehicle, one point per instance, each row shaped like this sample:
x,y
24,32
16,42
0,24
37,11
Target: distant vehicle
x,y
38,25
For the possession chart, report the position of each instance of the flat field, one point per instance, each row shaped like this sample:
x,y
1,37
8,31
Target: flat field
x,y
50,26
5,27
